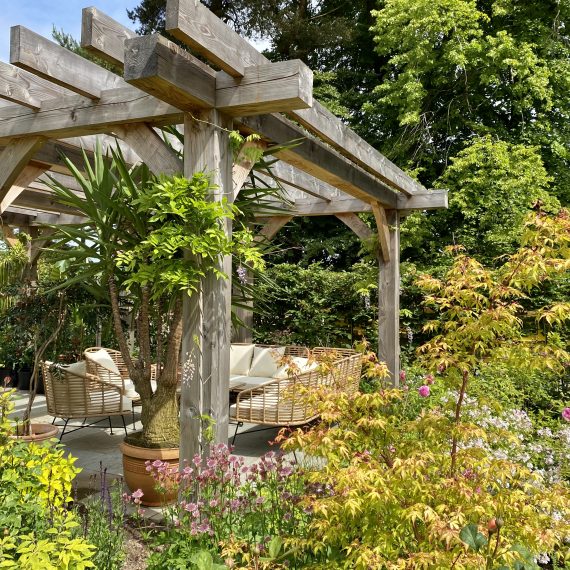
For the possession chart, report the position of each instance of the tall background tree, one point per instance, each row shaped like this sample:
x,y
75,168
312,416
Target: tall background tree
x,y
469,95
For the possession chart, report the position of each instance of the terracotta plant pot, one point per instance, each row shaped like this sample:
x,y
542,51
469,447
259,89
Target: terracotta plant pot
x,y
40,432
137,477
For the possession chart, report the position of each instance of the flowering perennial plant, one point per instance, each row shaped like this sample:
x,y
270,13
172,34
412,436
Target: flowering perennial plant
x,y
228,507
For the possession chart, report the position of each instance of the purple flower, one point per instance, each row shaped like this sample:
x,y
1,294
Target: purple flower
x,y
429,379
242,274
402,375
566,414
423,391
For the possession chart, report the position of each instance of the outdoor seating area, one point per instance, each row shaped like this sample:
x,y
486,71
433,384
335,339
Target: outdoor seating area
x,y
274,384
72,393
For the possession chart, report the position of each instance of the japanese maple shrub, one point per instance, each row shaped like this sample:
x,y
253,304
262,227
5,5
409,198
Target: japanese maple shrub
x,y
401,491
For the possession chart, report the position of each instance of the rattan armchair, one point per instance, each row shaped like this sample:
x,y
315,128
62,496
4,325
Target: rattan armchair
x,y
72,394
109,374
284,402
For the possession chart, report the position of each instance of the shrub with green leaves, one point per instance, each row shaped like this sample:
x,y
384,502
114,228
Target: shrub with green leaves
x,y
39,531
317,306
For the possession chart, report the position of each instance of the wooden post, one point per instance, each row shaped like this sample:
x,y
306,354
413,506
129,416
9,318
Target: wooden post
x,y
244,333
206,340
389,299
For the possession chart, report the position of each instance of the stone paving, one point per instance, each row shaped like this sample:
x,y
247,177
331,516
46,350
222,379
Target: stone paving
x,y
97,446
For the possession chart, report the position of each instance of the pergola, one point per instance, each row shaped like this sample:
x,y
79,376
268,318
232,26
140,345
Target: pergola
x,y
61,102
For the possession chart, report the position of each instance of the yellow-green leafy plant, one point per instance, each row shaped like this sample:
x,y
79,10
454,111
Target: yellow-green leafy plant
x,y
38,529
400,493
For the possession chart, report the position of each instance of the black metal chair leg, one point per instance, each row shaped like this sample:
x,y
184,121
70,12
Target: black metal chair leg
x,y
238,425
124,425
110,425
63,430
53,421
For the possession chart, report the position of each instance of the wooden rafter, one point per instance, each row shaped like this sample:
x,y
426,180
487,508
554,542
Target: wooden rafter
x,y
51,61
383,230
27,89
103,36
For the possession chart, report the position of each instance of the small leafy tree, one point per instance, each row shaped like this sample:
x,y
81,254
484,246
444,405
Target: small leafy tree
x,y
146,242
400,491
480,315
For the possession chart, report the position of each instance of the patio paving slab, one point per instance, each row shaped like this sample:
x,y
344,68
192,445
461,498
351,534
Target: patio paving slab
x,y
96,447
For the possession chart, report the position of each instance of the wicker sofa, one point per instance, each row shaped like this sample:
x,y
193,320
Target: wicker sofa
x,y
281,400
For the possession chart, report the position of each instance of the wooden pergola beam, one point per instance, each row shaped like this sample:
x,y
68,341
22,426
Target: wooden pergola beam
x,y
37,200
103,36
307,184
319,160
51,61
24,88
163,69
72,116
425,200
192,23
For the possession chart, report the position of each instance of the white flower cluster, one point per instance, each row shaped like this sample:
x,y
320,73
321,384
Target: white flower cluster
x,y
545,451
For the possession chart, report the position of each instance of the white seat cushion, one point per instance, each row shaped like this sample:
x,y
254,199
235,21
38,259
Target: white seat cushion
x,y
103,358
240,358
248,382
130,391
266,361
75,368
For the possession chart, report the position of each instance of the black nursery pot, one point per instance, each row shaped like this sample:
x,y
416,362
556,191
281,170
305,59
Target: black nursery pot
x,y
24,377
8,373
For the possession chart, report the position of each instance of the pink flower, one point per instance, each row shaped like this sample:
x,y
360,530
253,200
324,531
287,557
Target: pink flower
x,y
402,375
429,379
138,494
566,414
423,391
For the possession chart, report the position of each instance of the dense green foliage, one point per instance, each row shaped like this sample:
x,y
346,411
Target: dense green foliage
x,y
316,306
39,531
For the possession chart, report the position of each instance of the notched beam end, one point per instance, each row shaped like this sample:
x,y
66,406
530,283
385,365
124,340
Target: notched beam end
x,y
428,200
161,68
103,36
267,88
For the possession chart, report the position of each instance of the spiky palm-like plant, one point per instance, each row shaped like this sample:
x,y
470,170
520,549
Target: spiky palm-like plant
x,y
146,242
